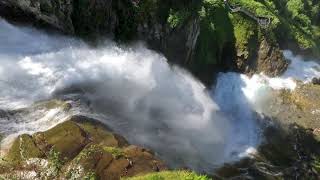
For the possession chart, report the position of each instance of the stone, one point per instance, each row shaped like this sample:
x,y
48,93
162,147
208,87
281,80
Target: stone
x,y
67,138
99,133
23,148
315,81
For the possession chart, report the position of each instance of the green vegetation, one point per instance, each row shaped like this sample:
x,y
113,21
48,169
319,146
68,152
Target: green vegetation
x,y
177,18
215,31
170,175
316,164
90,176
55,163
22,149
116,152
87,152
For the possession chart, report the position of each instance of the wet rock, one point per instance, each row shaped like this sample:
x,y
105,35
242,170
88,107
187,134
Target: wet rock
x,y
315,81
67,138
99,133
23,149
270,59
301,106
80,147
56,14
142,161
3,113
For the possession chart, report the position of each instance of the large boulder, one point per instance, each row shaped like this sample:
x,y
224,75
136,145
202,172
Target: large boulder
x,y
80,147
67,138
23,149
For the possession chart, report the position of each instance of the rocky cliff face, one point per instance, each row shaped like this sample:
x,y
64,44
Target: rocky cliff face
x,y
200,35
56,14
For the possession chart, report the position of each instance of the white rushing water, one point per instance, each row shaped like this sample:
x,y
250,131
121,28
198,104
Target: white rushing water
x,y
134,91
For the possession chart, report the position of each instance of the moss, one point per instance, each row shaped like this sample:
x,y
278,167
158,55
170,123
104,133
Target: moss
x,y
67,138
116,152
87,152
245,31
215,30
170,175
216,33
90,176
100,134
22,149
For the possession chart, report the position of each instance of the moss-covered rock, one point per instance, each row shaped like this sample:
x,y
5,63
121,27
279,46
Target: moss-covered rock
x,y
23,148
80,147
67,138
99,133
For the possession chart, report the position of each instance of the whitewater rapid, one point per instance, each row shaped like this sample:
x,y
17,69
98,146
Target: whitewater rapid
x,y
137,93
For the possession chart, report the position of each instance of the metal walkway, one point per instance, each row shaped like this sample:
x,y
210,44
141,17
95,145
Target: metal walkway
x,y
262,21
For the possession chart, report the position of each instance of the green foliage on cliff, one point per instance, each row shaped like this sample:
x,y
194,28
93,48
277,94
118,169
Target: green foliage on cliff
x,y
177,18
215,30
170,175
293,21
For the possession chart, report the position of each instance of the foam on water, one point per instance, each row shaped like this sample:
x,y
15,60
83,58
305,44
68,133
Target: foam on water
x,y
136,92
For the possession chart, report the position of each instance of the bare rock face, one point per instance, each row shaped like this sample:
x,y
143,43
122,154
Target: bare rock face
x,y
80,147
301,106
268,59
55,14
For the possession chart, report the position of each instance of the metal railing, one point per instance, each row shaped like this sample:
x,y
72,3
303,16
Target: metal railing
x,y
262,21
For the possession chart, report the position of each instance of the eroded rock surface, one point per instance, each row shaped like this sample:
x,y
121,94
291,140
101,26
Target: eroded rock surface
x,y
301,106
80,147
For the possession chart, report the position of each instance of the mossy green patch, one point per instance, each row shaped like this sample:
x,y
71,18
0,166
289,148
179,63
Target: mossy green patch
x,y
116,152
100,134
170,175
292,20
245,31
215,31
67,138
88,152
22,149
90,176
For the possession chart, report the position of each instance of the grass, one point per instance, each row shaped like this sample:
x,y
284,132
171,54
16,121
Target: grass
x,y
116,152
170,175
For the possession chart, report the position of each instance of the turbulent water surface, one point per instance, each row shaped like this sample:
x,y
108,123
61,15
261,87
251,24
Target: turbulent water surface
x,y
134,91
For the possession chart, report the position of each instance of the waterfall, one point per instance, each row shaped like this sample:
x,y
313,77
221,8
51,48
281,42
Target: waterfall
x,y
134,91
